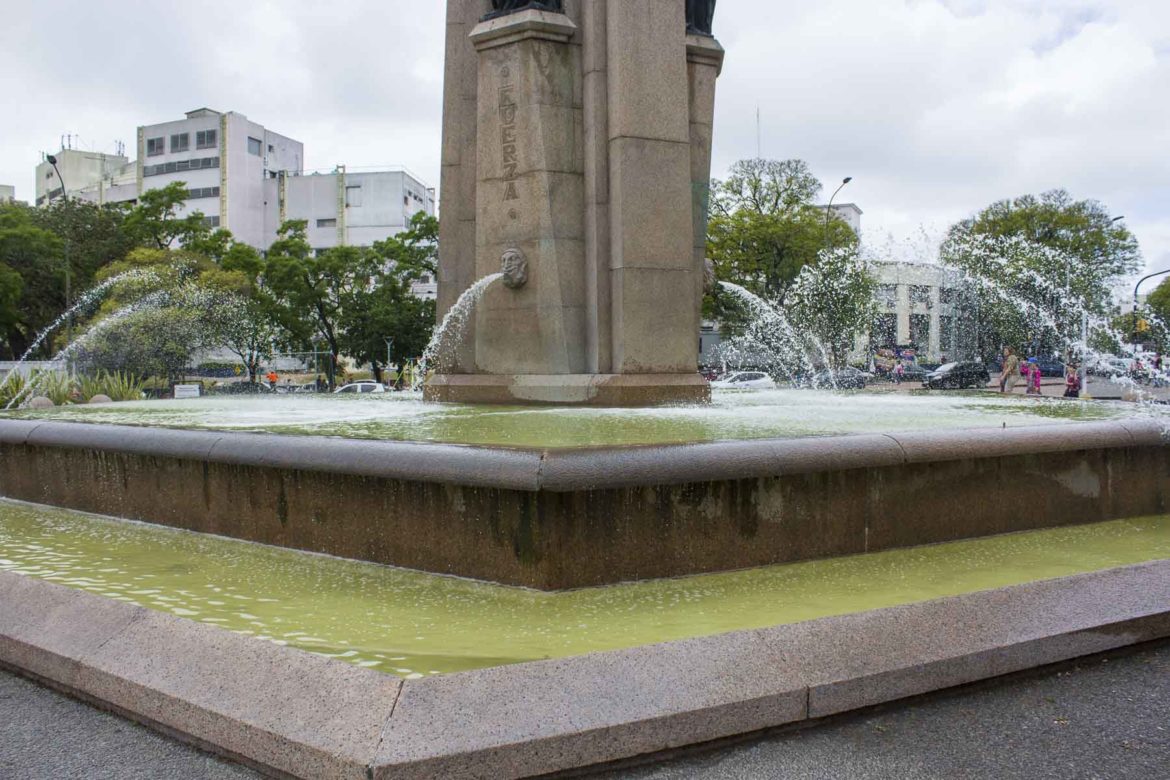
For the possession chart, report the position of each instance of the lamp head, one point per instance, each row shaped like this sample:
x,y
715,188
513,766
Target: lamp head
x,y
847,180
51,159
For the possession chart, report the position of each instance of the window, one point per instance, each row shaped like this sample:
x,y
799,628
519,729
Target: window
x,y
919,295
424,279
155,146
886,330
206,139
202,192
948,295
888,295
180,165
211,221
920,331
946,334
255,146
324,223
353,196
271,149
180,142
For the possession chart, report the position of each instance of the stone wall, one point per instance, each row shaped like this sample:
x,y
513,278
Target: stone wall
x,y
564,519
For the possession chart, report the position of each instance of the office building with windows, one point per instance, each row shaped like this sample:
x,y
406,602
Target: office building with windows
x,y
7,193
246,179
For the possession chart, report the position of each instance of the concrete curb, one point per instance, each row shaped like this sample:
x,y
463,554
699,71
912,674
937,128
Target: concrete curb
x,y
292,713
568,470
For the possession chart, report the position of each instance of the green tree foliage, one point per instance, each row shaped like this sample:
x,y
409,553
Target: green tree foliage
x,y
311,290
386,312
834,299
32,272
155,222
765,226
1088,251
413,253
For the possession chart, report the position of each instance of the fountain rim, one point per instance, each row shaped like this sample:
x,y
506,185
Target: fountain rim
x,y
559,470
579,711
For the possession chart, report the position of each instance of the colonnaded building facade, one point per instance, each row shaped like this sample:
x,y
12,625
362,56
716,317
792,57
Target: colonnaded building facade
x,y
247,179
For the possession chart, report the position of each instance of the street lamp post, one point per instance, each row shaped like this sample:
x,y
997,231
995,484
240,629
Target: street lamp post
x,y
829,209
1135,301
52,160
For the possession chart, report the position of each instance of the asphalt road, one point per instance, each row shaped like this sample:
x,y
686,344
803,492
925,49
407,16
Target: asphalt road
x,y
1103,718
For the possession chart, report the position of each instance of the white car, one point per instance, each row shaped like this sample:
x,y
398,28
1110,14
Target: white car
x,y
745,380
361,387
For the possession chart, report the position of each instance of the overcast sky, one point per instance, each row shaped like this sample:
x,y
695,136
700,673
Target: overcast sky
x,y
935,107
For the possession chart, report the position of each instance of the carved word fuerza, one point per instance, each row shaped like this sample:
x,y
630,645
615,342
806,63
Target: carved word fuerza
x,y
508,140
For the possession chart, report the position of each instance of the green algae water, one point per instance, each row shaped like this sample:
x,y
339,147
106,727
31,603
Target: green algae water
x,y
731,415
411,624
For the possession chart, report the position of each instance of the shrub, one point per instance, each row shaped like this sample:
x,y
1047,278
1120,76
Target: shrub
x,y
117,385
13,386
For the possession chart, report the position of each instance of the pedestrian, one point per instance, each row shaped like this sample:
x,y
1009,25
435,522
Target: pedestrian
x,y
1072,382
1034,377
1011,370
899,373
272,378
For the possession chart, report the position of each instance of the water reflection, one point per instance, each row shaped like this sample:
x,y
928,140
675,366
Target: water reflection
x,y
412,624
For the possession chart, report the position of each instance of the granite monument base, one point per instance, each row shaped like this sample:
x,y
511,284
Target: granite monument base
x,y
570,389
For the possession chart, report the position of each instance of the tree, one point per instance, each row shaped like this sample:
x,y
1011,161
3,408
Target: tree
x,y
765,227
414,252
1087,251
154,221
309,291
32,273
834,300
386,323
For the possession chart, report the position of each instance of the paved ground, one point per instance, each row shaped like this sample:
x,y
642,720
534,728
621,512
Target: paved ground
x,y
1105,718
46,736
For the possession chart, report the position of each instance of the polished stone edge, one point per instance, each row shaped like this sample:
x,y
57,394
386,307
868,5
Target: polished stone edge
x,y
603,390
293,713
531,23
566,470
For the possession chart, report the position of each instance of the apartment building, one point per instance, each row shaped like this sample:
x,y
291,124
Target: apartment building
x,y
7,193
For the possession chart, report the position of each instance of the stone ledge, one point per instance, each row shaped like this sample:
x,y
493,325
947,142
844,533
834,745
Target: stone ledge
x,y
563,470
293,713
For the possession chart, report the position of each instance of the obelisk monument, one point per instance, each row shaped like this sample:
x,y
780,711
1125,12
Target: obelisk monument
x,y
576,159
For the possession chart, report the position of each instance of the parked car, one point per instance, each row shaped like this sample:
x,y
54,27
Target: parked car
x,y
957,376
361,387
307,387
848,378
745,380
1111,366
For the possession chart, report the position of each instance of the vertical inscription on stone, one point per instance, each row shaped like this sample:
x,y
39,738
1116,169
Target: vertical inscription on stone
x,y
508,151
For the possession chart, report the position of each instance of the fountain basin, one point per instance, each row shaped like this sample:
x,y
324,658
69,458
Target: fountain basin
x,y
567,518
608,390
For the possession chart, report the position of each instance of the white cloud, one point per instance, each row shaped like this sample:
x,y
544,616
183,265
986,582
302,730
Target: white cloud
x,y
936,107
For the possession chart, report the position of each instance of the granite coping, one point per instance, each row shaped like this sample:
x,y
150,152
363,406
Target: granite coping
x,y
567,470
292,713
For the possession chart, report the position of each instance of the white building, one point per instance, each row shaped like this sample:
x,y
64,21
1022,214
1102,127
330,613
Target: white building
x,y
918,306
849,213
80,170
246,179
7,193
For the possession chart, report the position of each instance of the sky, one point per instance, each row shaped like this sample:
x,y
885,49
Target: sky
x,y
936,108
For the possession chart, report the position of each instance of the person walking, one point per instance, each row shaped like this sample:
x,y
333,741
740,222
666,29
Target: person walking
x,y
1072,382
1034,376
899,373
1011,370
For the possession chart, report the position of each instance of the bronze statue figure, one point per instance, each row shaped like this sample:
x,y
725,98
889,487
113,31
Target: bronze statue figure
x,y
505,7
700,16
